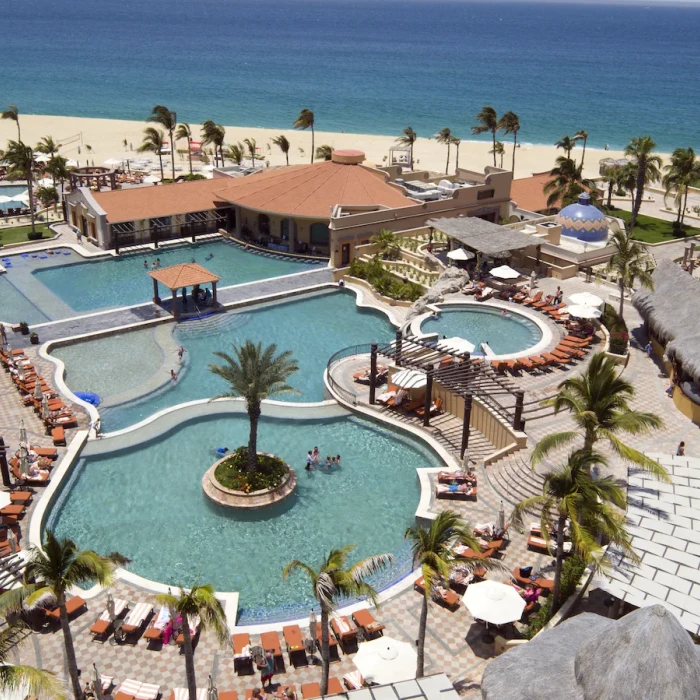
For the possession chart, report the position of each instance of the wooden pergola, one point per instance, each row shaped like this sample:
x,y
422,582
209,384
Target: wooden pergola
x,y
178,277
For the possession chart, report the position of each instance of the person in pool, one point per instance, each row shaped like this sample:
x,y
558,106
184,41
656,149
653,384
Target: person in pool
x,y
309,461
145,264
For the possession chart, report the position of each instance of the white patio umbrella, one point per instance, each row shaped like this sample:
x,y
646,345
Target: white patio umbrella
x,y
460,254
212,692
20,372
386,660
586,299
501,521
12,540
409,379
113,161
71,163
110,606
45,406
504,272
584,312
4,199
96,682
22,433
38,393
456,344
23,197
494,602
151,179
23,462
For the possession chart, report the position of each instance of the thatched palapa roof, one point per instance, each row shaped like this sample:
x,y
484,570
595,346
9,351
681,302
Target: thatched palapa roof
x,y
482,236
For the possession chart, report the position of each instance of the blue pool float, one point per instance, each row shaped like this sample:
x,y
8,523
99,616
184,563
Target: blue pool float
x,y
220,451
89,397
25,255
34,255
43,257
66,252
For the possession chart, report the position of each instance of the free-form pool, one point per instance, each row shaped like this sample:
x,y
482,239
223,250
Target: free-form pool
x,y
505,334
147,503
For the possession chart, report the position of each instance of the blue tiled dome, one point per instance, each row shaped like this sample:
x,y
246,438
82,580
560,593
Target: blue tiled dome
x,y
583,221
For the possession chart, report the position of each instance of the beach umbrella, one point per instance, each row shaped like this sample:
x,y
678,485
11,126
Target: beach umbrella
x,y
12,540
460,254
586,299
96,682
4,199
409,379
23,462
113,161
504,272
212,692
501,522
584,312
38,393
45,407
20,372
23,197
386,660
494,602
151,179
71,163
110,606
22,433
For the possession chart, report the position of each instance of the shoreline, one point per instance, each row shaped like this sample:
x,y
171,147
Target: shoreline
x,y
106,138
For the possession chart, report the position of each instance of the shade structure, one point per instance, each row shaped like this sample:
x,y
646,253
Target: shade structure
x,y
183,275
584,312
494,602
456,344
460,254
386,660
23,197
4,199
409,379
504,272
586,299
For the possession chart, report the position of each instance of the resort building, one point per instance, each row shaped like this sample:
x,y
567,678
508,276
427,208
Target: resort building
x,y
528,195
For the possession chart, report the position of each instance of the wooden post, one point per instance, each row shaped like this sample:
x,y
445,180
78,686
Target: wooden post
x,y
176,308
373,374
428,398
213,293
4,469
465,424
156,298
518,418
399,345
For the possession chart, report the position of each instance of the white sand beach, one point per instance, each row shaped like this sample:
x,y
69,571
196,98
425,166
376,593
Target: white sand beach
x,y
106,138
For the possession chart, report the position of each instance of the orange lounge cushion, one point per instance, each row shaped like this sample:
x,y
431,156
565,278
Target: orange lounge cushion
x,y
100,627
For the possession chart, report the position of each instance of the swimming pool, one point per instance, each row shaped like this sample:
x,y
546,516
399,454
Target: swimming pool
x,y
11,191
147,503
480,324
65,284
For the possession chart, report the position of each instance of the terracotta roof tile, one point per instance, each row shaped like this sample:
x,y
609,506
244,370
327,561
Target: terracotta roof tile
x,y
528,192
184,275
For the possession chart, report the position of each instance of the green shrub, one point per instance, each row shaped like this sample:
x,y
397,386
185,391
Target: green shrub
x,y
36,236
383,281
232,472
619,335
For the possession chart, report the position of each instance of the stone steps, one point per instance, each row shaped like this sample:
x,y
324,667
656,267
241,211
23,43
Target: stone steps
x,y
513,478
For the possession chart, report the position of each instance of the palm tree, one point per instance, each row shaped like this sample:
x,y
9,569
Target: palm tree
x,y
611,176
456,143
334,580
166,118
236,152
433,551
153,142
567,144
627,178
445,136
324,152
282,142
214,134
184,131
387,242
582,135
304,121
255,374
499,149
681,173
57,167
47,145
641,150
408,139
12,113
589,504
251,145
510,124
630,262
567,183
599,403
21,166
488,121
48,196
199,601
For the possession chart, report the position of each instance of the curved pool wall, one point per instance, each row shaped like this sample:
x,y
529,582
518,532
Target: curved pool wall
x,y
416,325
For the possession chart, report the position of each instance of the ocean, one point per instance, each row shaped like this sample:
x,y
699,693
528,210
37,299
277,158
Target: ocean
x,y
364,66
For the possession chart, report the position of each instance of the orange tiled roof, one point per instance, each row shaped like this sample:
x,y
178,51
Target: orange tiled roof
x,y
185,275
528,192
312,190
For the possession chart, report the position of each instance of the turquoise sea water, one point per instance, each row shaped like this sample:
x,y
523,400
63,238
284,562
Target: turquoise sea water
x,y
367,66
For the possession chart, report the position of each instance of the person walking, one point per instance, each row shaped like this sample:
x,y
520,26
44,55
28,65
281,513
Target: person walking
x,y
267,668
680,452
648,349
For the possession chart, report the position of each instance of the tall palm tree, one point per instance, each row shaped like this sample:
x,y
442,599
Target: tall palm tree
x,y
324,152
510,124
236,152
627,178
214,135
12,113
641,150
631,262
456,143
582,135
48,196
306,120
21,165
335,580
488,121
500,150
599,403
184,131
282,142
611,177
567,183
432,549
590,505
200,601
681,173
444,136
255,374
47,145
166,118
153,142
57,167
408,139
251,145
567,144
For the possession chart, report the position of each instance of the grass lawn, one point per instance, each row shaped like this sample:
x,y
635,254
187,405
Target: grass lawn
x,y
650,229
18,234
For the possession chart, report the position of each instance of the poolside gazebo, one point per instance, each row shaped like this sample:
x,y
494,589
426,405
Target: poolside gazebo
x,y
178,277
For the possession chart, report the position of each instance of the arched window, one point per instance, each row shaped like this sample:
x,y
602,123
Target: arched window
x,y
264,224
319,234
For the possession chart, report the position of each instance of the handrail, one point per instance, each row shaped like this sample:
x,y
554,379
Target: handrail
x,y
351,350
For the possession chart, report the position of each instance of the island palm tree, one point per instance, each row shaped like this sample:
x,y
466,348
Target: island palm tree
x,y
456,143
641,150
251,145
500,150
510,124
282,142
388,244
567,144
444,136
200,601
306,120
184,131
408,139
236,153
166,118
255,374
324,152
48,146
589,504
335,580
214,135
488,121
12,113
630,262
599,403
682,173
21,165
567,183
153,142
433,551
582,135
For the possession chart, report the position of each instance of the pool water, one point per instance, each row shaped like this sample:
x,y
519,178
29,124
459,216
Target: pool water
x,y
11,191
147,503
504,334
15,307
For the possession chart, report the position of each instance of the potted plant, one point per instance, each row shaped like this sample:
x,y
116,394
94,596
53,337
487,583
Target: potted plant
x,y
24,328
34,339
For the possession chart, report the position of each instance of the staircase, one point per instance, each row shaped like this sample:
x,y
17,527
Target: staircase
x,y
513,478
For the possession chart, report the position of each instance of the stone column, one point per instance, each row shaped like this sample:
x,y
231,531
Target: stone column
x,y
213,293
176,308
156,298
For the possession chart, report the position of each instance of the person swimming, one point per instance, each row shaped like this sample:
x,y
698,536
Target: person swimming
x,y
210,256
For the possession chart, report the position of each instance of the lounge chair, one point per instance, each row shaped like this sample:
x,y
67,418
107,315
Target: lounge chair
x,y
102,627
16,509
335,687
498,366
21,497
528,364
539,581
353,680
468,553
136,690
310,690
134,621
332,643
295,645
344,632
388,395
184,694
553,359
195,625
242,658
458,477
154,632
513,365
435,407
271,641
365,620
440,593
455,491
534,299
545,303
49,452
485,294
540,543
59,436
228,695
73,605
